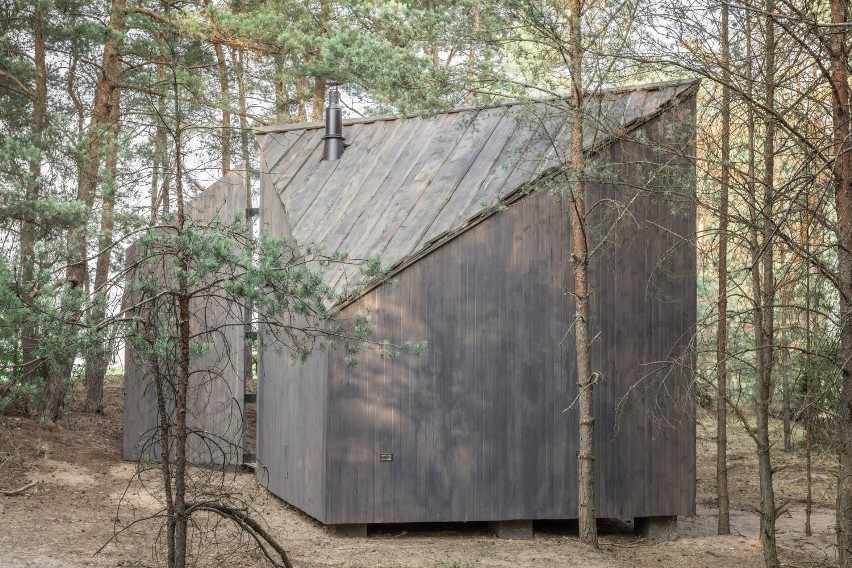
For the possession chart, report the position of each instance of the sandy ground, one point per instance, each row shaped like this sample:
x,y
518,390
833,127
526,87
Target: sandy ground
x,y
73,512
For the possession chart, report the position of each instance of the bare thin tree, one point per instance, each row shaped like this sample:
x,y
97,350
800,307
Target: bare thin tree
x,y
724,525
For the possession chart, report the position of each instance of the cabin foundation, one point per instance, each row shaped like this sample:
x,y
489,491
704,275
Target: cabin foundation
x,y
350,530
658,529
512,530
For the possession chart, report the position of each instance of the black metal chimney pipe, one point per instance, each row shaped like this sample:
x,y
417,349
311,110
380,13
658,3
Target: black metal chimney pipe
x,y
333,138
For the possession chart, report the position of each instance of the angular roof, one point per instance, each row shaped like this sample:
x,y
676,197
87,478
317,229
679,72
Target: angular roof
x,y
406,185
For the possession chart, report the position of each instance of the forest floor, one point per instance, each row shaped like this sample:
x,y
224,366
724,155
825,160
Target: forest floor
x,y
72,511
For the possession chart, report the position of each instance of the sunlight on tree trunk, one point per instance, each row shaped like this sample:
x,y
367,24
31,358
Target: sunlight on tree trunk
x,y
580,259
842,152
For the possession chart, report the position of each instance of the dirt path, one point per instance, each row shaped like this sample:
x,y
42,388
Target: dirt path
x,y
71,513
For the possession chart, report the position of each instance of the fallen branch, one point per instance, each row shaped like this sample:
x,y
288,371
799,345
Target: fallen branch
x,y
20,489
249,525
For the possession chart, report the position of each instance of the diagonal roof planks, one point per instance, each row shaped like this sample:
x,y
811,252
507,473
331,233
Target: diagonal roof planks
x,y
407,185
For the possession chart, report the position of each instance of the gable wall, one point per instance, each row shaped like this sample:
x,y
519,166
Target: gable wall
x,y
476,425
291,399
216,389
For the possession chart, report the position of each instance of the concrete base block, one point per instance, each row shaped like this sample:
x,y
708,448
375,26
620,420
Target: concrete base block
x,y
512,530
359,530
659,529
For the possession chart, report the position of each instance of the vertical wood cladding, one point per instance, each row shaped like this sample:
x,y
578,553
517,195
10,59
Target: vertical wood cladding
x,y
291,400
483,426
216,387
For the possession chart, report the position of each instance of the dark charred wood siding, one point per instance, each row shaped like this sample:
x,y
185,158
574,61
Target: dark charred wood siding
x,y
483,426
291,401
404,184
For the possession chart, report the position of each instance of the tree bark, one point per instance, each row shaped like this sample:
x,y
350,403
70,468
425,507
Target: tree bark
x,y
239,57
808,385
226,107
839,69
784,368
301,90
161,161
471,55
100,129
31,364
224,102
181,519
98,359
318,103
580,260
155,176
99,125
724,524
431,49
164,437
282,100
764,297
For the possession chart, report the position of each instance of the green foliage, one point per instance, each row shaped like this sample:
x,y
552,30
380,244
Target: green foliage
x,y
48,213
50,312
226,260
11,316
379,50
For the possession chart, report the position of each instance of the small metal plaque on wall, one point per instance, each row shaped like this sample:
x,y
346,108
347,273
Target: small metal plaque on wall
x,y
385,457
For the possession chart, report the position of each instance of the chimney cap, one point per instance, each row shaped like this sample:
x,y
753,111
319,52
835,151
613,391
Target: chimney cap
x,y
333,139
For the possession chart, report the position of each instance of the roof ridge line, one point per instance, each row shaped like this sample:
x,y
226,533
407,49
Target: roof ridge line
x,y
653,86
510,198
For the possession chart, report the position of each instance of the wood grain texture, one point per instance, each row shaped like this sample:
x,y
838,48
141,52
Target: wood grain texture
x,y
215,394
291,439
140,402
405,184
480,431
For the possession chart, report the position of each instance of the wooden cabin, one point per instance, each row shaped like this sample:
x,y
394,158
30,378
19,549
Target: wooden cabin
x,y
467,211
216,415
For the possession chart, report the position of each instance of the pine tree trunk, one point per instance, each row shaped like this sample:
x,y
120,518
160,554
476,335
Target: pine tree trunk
x,y
164,431
180,514
155,179
101,121
762,389
31,366
764,300
471,55
842,152
226,107
808,386
724,525
432,49
318,103
580,259
88,179
160,193
282,101
301,90
181,519
98,360
239,57
784,368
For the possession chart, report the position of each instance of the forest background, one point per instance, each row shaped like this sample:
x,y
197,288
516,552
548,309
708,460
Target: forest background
x,y
114,112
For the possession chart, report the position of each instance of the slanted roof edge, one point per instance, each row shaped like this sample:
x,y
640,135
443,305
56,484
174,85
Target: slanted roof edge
x,y
656,86
519,193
